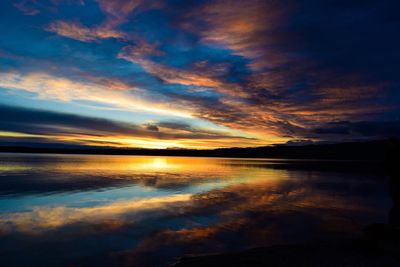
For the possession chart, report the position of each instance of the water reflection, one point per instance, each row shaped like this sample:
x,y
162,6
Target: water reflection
x,y
144,211
57,173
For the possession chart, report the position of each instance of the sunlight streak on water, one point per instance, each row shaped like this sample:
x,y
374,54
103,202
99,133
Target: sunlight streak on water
x,y
151,205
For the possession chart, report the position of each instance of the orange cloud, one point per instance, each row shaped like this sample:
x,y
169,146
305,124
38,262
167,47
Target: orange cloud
x,y
97,89
77,31
245,27
116,14
138,53
119,8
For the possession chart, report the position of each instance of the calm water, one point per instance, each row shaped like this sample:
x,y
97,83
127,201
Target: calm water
x,y
79,210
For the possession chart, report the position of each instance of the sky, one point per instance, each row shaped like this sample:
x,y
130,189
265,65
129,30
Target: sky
x,y
198,74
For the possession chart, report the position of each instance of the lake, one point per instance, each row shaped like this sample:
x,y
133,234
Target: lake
x,y
101,210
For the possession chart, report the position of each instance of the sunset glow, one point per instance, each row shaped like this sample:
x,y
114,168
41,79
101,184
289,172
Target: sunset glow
x,y
196,74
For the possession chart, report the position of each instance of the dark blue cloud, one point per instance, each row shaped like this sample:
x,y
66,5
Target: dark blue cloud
x,y
374,129
48,124
282,68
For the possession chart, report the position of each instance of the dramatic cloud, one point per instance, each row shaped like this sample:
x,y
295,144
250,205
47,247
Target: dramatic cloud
x,y
248,28
116,12
271,70
299,77
88,130
171,75
77,31
96,89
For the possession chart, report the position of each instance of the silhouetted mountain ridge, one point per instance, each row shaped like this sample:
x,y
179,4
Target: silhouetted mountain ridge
x,y
369,150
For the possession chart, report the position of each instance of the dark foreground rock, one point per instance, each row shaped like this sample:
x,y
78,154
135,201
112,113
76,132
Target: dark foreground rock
x,y
379,247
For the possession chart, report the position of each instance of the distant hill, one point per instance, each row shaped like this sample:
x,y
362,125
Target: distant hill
x,y
370,150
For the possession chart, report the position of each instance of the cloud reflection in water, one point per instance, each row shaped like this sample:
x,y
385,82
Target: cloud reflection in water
x,y
144,211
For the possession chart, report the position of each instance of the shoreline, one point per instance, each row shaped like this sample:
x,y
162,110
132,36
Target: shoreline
x,y
347,151
379,246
